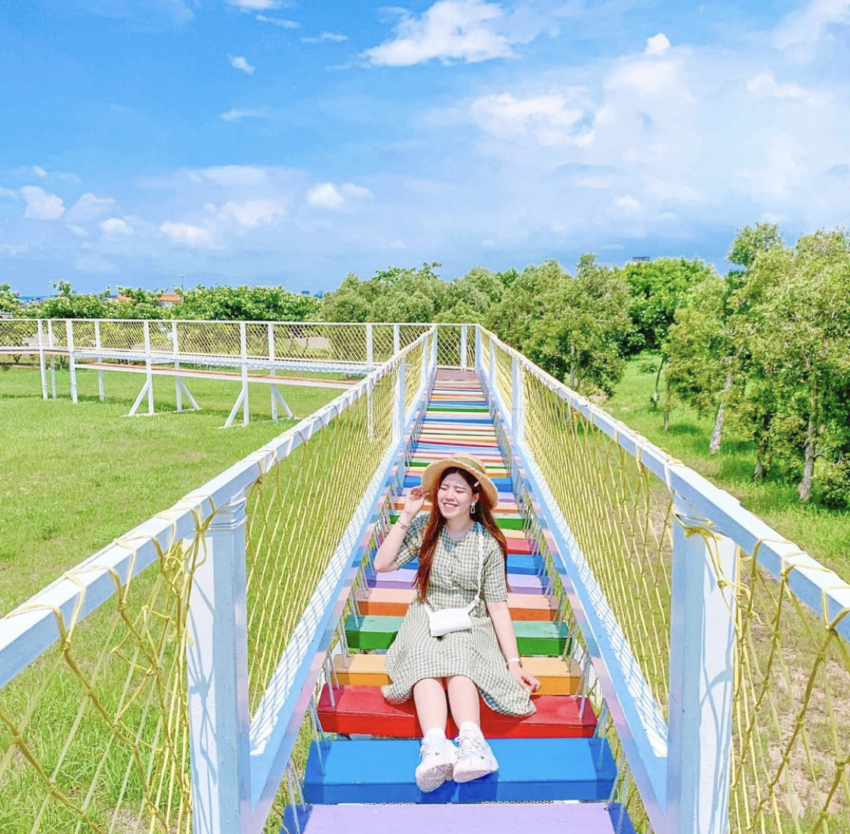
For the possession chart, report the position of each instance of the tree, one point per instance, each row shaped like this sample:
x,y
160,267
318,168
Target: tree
x,y
658,288
244,303
799,339
10,302
572,327
67,304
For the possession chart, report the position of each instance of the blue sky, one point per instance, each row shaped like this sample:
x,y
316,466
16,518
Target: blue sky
x,y
268,141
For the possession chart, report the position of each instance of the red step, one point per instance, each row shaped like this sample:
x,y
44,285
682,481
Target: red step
x,y
362,709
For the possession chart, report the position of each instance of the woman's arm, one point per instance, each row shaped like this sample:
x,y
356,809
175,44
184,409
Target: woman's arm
x,y
500,614
387,552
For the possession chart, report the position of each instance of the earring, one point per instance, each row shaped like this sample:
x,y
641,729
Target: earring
x,y
472,509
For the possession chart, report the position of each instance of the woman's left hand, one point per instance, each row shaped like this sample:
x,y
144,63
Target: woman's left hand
x,y
525,679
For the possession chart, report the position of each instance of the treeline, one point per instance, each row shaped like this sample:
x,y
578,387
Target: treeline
x,y
221,303
764,349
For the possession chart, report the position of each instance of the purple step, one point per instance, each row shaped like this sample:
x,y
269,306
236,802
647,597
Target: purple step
x,y
487,818
519,583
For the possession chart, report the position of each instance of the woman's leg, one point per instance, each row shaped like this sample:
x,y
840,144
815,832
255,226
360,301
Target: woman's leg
x,y
431,708
463,697
475,758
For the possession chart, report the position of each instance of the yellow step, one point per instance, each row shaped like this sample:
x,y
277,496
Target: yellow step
x,y
556,676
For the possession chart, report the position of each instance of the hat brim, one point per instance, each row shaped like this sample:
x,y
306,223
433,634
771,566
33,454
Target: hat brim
x,y
434,471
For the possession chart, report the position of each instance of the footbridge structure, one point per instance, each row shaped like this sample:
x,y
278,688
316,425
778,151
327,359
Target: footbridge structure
x,y
222,661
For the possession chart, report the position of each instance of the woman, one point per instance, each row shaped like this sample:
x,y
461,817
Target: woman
x,y
450,543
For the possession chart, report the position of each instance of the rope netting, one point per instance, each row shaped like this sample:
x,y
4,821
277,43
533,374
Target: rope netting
x,y
791,712
94,735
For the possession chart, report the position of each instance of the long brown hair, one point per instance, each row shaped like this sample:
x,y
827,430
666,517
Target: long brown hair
x,y
434,527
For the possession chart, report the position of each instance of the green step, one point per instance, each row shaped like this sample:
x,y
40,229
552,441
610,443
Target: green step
x,y
505,522
533,637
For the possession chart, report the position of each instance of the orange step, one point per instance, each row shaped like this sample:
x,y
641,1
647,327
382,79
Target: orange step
x,y
393,602
556,676
362,709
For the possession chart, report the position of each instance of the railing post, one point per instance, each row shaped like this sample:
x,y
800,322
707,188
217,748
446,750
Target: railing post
x,y
478,357
702,661
51,343
434,354
396,339
217,671
463,347
100,389
243,345
41,362
273,371
175,346
398,411
72,365
149,365
423,380
491,374
369,349
518,401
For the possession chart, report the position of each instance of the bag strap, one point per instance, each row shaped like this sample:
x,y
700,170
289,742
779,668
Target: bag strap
x,y
471,606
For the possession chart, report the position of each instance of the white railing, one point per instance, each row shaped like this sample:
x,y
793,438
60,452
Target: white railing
x,y
237,759
681,767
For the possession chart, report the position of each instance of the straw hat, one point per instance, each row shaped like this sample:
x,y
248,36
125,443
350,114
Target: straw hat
x,y
469,463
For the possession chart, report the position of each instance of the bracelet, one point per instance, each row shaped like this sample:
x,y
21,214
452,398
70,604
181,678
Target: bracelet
x,y
402,524
513,660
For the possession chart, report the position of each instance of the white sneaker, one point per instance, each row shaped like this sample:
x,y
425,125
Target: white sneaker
x,y
437,757
475,759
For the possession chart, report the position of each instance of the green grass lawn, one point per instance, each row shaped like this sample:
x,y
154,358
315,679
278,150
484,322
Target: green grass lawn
x,y
74,477
823,533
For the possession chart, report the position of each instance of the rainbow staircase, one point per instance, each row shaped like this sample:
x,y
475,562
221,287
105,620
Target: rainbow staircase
x,y
553,762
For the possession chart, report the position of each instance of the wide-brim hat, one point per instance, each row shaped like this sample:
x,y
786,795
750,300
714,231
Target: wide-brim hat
x,y
469,463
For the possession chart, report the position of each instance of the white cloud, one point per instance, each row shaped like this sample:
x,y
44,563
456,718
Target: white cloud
x,y
335,37
93,263
280,22
8,192
257,5
240,62
185,234
116,226
11,250
236,115
40,204
765,85
39,171
551,119
628,205
79,231
89,207
451,30
253,213
230,176
657,45
807,25
334,197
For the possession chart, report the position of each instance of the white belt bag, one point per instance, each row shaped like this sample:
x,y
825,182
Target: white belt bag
x,y
456,619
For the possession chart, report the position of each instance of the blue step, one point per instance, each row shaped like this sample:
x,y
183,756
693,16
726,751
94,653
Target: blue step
x,y
530,770
517,564
448,448
502,484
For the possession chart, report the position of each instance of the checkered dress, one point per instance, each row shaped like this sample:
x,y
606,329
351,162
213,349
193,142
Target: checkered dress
x,y
474,653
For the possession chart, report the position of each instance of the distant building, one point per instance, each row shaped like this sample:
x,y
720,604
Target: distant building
x,y
641,259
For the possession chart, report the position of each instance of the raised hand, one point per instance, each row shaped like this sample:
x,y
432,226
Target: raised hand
x,y
414,502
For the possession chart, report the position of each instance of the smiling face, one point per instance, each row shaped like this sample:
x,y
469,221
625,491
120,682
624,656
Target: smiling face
x,y
455,496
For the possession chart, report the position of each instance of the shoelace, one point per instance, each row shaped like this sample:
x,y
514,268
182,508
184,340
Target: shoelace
x,y
430,745
471,744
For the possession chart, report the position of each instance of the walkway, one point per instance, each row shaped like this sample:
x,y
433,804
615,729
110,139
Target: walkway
x,y
552,762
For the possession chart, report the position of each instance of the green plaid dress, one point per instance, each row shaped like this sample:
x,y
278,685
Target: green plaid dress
x,y
474,653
